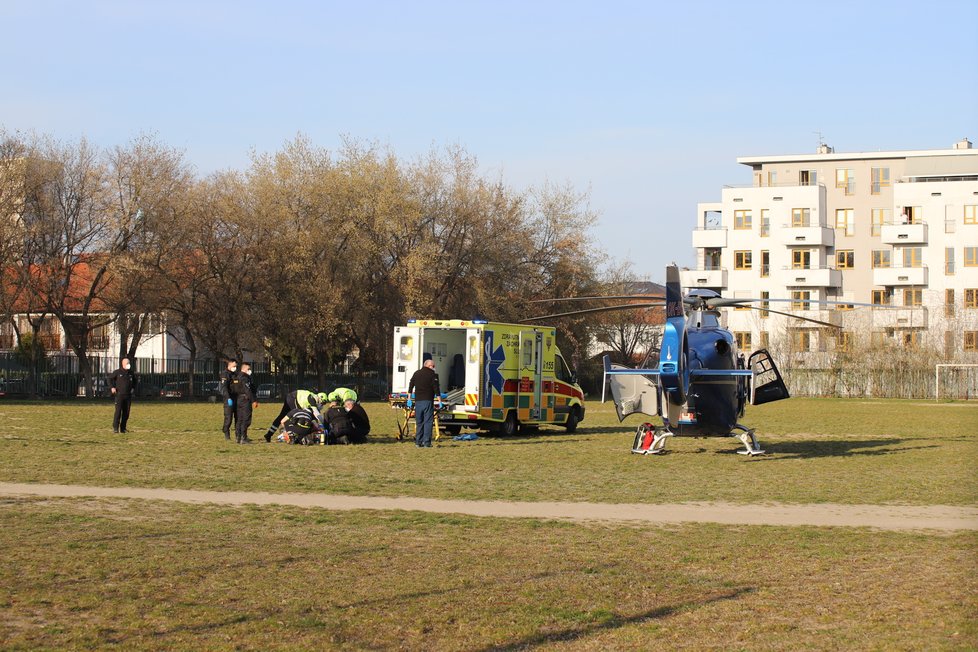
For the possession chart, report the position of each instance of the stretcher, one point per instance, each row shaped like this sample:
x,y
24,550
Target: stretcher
x,y
404,405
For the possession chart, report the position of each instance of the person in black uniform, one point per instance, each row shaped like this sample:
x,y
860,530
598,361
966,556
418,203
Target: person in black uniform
x,y
244,388
122,383
229,399
424,385
361,422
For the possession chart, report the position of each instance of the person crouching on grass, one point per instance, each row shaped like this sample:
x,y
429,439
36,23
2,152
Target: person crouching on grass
x,y
247,402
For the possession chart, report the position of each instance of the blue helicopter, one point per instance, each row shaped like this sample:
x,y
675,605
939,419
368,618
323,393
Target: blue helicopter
x,y
702,384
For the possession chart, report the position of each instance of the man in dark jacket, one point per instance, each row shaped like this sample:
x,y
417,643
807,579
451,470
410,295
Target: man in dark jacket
x,y
424,385
247,400
361,422
122,384
227,376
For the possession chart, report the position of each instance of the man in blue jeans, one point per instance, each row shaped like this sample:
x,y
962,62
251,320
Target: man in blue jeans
x,y
424,386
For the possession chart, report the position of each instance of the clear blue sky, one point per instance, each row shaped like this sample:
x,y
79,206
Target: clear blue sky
x,y
646,106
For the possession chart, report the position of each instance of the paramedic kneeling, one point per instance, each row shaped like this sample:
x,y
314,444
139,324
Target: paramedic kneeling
x,y
424,385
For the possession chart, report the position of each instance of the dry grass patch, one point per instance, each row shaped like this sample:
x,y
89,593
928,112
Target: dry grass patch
x,y
150,575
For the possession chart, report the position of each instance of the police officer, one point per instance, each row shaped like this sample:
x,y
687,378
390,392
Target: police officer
x,y
227,376
246,400
122,383
301,398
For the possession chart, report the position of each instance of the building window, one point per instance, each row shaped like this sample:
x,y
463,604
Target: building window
x,y
878,338
911,339
949,303
765,263
765,304
765,339
845,218
98,338
971,214
800,299
971,297
711,258
845,259
880,217
912,256
807,177
949,261
772,177
843,341
6,335
742,260
742,219
802,340
881,179
743,340
949,344
971,256
801,259
765,222
912,296
881,258
971,340
801,216
845,178
881,297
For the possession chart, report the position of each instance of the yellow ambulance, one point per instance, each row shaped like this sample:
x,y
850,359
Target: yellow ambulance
x,y
494,376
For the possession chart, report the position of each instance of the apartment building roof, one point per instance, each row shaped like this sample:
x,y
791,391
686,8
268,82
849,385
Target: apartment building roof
x,y
855,156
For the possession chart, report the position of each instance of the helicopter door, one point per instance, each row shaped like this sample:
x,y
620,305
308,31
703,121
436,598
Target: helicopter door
x,y
766,385
634,394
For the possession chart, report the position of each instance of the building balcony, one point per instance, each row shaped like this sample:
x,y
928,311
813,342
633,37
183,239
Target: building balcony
x,y
898,234
890,276
807,236
915,317
703,278
812,277
709,238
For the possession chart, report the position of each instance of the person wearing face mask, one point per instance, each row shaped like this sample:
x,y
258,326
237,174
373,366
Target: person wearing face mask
x,y
122,384
230,398
246,400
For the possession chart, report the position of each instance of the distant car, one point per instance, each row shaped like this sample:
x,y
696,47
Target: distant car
x,y
212,388
267,390
175,390
20,387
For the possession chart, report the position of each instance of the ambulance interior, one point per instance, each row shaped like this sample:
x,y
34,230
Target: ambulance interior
x,y
448,348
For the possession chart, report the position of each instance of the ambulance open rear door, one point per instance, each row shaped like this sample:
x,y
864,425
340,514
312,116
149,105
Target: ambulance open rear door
x,y
407,356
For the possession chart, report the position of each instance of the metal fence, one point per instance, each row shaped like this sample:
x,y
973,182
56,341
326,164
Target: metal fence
x,y
59,376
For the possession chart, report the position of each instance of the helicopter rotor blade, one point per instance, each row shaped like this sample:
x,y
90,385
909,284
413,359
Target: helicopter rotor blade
x,y
724,302
788,314
618,297
627,306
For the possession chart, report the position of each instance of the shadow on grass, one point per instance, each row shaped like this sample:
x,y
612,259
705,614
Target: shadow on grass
x,y
406,597
577,633
833,448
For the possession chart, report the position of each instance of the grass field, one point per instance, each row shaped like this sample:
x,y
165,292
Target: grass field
x,y
821,450
137,574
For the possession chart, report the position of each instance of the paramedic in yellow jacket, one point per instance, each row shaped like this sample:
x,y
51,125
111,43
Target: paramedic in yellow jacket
x,y
341,394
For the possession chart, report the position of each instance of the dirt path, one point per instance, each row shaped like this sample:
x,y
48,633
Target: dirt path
x,y
936,517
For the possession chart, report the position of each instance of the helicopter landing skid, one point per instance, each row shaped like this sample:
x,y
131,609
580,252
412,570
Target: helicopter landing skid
x,y
749,441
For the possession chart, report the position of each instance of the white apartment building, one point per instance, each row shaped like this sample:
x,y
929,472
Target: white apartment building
x,y
887,228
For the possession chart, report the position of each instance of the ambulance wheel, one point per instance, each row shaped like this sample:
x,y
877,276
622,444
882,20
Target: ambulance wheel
x,y
511,426
453,430
572,420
